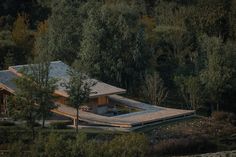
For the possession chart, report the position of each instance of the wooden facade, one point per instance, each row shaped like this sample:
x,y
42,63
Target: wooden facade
x,y
93,102
3,101
102,100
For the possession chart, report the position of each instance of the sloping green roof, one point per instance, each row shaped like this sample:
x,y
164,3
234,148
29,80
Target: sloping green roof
x,y
7,77
59,71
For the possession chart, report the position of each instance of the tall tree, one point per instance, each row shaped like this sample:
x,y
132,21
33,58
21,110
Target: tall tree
x,y
79,87
65,29
10,53
113,47
40,71
22,105
191,90
217,73
9,60
20,31
154,89
45,86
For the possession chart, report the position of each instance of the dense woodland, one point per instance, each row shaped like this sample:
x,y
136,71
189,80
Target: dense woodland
x,y
187,45
174,53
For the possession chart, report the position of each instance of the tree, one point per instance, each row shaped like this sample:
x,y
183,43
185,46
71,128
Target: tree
x,y
78,89
191,90
41,40
195,92
65,29
8,60
20,32
9,50
22,104
114,47
211,17
35,93
171,13
154,89
41,71
217,72
45,86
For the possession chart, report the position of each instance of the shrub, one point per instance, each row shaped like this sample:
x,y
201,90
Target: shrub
x,y
59,125
6,123
56,146
232,119
224,116
184,146
127,146
17,148
79,145
220,116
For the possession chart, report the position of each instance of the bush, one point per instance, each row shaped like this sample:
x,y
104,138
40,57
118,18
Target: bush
x,y
59,125
6,123
220,116
17,148
129,145
224,116
184,146
14,134
79,145
56,146
232,119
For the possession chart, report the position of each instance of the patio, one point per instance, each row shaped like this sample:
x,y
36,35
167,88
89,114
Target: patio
x,y
147,114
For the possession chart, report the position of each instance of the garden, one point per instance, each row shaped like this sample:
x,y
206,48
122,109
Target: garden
x,y
192,136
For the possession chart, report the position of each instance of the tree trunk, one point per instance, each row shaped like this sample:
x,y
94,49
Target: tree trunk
x,y
77,118
217,106
43,118
33,132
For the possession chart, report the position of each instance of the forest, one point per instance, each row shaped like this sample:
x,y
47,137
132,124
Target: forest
x,y
171,53
187,45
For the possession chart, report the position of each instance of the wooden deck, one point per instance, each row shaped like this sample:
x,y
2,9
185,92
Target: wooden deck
x,y
148,114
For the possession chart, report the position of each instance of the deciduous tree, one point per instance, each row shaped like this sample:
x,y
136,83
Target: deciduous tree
x,y
154,89
22,105
45,85
79,87
217,72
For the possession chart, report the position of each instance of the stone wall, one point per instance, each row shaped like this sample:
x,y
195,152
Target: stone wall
x,y
218,154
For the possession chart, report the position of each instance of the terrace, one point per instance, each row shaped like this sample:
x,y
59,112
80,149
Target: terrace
x,y
143,114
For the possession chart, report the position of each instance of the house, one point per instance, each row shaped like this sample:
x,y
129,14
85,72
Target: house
x,y
105,106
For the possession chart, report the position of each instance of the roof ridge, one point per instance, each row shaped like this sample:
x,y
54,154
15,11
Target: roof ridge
x,y
58,61
4,70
